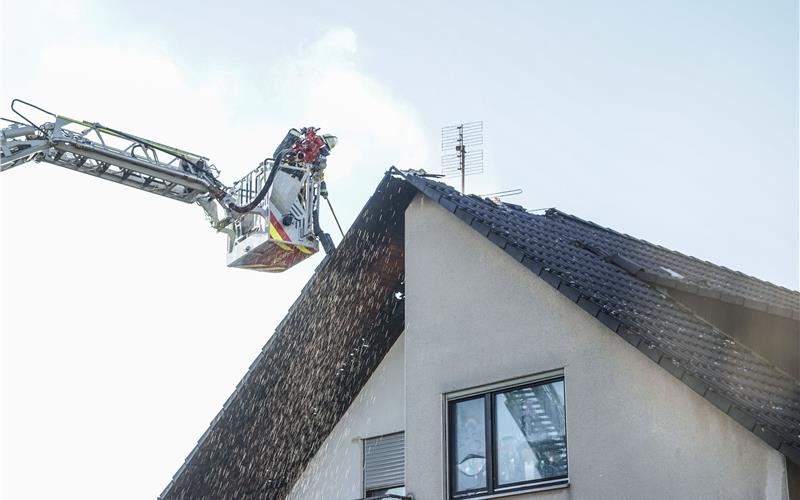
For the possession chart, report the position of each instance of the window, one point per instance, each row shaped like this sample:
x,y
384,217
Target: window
x,y
507,438
384,465
387,493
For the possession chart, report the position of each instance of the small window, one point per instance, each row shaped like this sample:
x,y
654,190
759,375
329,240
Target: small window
x,y
384,466
506,439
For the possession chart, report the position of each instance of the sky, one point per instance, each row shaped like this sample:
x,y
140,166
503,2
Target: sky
x,y
122,331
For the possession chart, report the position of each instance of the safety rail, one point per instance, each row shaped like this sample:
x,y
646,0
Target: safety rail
x,y
247,188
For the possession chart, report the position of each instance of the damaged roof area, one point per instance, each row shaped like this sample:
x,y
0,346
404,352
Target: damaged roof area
x,y
332,339
351,312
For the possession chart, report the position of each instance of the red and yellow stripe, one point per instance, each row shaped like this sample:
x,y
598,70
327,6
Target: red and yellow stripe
x,y
278,233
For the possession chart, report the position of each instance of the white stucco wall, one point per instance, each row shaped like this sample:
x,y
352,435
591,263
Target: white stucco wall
x,y
335,471
474,316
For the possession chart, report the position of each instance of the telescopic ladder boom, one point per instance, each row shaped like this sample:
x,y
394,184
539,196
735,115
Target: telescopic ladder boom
x,y
271,215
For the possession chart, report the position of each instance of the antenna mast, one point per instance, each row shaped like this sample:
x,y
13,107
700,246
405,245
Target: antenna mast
x,y
466,140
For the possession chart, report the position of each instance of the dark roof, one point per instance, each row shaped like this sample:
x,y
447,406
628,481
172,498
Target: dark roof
x,y
351,312
662,266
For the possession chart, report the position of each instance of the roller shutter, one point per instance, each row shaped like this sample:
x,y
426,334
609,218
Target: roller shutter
x,y
384,461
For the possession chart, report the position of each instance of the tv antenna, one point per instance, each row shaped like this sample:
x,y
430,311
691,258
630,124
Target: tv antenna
x,y
462,152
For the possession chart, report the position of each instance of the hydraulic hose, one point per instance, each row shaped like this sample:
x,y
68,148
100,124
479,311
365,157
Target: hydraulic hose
x,y
322,236
261,194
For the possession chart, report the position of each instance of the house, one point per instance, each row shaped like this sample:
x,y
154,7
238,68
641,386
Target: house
x,y
453,347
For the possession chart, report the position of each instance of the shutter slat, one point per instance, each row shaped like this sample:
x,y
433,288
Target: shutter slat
x,y
384,461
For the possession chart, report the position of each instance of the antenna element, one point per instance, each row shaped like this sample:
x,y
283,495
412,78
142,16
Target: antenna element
x,y
462,154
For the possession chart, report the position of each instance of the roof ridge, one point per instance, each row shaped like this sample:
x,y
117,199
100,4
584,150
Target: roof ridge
x,y
681,254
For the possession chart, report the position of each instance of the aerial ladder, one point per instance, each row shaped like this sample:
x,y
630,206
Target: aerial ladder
x,y
270,216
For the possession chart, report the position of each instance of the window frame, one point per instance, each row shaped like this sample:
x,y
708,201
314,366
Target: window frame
x,y
488,393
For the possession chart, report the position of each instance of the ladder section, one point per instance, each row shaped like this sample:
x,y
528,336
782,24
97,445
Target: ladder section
x,y
126,159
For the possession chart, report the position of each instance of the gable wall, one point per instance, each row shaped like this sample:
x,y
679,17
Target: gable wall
x,y
335,472
474,316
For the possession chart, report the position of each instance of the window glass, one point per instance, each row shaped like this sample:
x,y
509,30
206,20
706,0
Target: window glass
x,y
469,453
530,434
399,490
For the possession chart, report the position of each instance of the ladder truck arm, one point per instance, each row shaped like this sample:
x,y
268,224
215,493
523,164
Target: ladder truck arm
x,y
271,215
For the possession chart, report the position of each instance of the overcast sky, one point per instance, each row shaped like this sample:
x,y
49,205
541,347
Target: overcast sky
x,y
122,330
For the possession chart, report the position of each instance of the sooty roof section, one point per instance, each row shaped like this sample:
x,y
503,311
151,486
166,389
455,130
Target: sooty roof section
x,y
334,336
611,276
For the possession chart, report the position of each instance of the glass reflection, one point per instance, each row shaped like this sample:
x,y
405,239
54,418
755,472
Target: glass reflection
x,y
530,429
